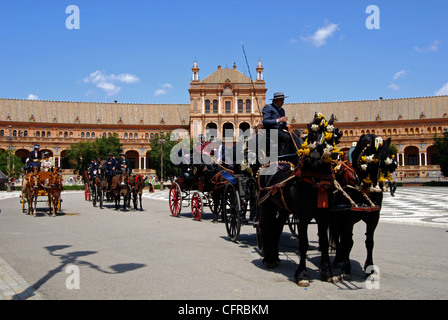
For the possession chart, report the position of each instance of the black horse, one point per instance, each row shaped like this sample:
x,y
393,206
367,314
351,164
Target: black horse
x,y
356,200
305,190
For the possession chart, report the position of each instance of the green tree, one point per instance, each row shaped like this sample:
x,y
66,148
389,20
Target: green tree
x,y
82,153
16,164
169,169
441,146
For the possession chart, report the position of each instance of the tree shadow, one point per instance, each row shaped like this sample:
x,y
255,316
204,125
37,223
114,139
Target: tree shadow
x,y
73,258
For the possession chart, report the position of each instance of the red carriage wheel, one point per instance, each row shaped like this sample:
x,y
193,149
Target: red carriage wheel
x,y
196,206
175,199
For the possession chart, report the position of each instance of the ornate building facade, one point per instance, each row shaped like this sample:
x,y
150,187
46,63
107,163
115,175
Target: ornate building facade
x,y
227,101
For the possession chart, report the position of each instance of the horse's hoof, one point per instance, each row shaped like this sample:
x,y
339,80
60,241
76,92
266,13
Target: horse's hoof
x,y
345,276
303,283
333,279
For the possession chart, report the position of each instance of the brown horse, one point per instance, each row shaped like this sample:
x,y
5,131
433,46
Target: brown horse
x,y
120,186
54,191
137,184
30,188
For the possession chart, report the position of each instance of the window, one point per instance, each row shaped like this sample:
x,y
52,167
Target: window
x,y
48,134
248,106
25,133
227,106
240,106
37,134
207,106
2,133
93,135
215,106
126,135
412,160
82,135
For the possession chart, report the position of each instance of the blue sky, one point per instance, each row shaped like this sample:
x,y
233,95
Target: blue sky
x,y
142,51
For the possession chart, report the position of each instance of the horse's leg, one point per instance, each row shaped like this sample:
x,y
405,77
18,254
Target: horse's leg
x,y
348,222
322,219
371,223
301,275
50,202
268,222
140,199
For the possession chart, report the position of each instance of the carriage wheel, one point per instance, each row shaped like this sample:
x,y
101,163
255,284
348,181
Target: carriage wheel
x,y
293,224
94,194
85,191
175,199
196,206
231,211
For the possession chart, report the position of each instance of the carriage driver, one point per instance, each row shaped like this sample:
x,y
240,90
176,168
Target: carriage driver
x,y
110,168
35,157
123,166
274,118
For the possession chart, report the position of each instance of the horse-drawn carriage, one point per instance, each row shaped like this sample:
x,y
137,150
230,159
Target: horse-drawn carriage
x,y
130,187
228,189
36,185
324,186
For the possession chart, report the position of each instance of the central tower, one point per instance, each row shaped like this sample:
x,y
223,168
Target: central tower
x,y
226,100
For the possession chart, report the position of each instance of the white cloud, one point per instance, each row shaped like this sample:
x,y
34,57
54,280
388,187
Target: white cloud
x,y
394,86
32,97
442,91
319,38
400,74
163,90
434,46
108,82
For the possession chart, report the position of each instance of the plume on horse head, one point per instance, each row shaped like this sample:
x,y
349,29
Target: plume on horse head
x,y
374,161
320,141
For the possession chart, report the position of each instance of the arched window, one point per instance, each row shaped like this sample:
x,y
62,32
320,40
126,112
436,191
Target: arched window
x,y
215,106
126,135
25,133
82,135
207,106
248,106
37,134
227,104
240,106
88,135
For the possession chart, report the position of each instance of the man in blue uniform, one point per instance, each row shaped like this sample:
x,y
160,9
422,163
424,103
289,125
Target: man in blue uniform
x,y
35,157
274,118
